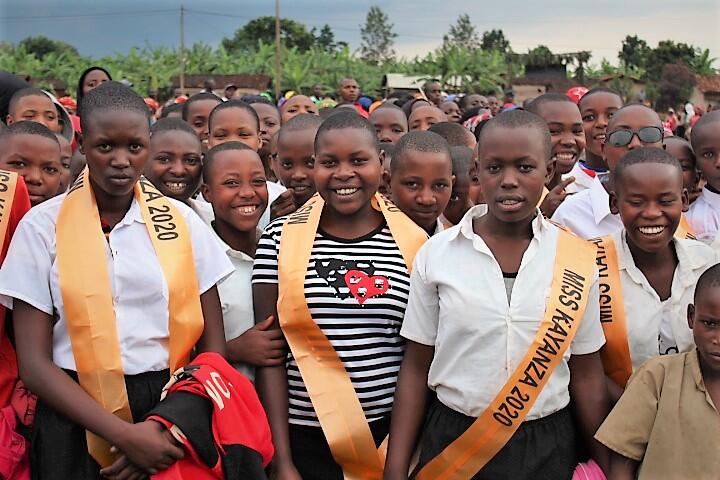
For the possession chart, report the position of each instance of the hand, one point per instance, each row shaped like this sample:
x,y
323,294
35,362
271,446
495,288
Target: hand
x,y
122,469
555,197
283,205
149,446
261,345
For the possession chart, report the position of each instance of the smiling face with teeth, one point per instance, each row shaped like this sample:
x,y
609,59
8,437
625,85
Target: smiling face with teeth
x,y
596,109
566,131
174,166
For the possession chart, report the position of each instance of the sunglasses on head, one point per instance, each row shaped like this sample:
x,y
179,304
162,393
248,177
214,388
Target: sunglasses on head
x,y
622,138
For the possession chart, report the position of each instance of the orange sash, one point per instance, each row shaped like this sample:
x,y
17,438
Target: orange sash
x,y
328,384
8,182
684,230
572,277
88,300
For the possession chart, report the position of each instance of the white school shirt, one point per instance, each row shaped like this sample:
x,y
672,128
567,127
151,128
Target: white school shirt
x,y
704,217
203,208
583,180
587,213
140,293
656,327
458,305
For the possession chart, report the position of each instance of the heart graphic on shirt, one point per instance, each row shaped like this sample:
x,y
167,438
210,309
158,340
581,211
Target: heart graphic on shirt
x,y
363,286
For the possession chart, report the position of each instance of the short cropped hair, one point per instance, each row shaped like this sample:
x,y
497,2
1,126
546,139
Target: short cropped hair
x,y
462,160
173,124
346,119
516,119
710,278
209,158
419,141
534,106
705,120
454,133
306,121
27,127
595,90
113,96
196,98
173,107
649,155
235,103
26,92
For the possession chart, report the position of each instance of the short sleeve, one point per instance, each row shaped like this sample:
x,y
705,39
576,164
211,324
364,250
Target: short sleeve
x,y
211,262
25,273
420,323
627,428
589,337
265,267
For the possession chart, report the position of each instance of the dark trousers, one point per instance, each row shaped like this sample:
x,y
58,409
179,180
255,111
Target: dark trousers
x,y
542,449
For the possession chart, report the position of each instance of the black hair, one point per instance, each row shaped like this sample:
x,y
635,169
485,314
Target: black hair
x,y
454,133
682,141
346,119
306,121
173,125
27,127
209,158
26,92
234,103
173,107
644,155
462,160
419,141
407,107
196,98
79,93
479,127
710,278
534,105
633,105
516,119
112,96
388,148
595,90
705,120
463,100
250,99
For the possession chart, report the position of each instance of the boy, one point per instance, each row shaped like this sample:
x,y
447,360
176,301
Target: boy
x,y
460,202
421,178
33,151
424,117
32,104
587,213
390,123
456,135
465,346
666,423
704,215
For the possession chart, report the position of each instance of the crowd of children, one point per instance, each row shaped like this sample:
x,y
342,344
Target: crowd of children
x,y
430,288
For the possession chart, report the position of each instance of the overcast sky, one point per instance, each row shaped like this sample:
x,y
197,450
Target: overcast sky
x,y
99,27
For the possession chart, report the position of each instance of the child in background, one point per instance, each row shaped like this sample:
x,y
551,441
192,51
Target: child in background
x,y
421,178
424,117
704,214
455,135
196,112
89,79
234,183
390,123
297,105
269,117
647,274
666,423
460,201
387,150
65,156
478,301
32,104
587,213
33,151
452,111
680,148
341,267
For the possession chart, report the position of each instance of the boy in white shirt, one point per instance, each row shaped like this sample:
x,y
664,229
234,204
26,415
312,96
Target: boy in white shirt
x,y
704,214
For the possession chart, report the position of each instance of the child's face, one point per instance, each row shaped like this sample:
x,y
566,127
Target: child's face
x,y
493,105
650,200
116,148
237,189
298,105
704,320
631,118
347,169
234,124
452,111
425,117
390,124
93,79
513,169
566,130
65,156
681,150
596,111
37,160
460,201
295,164
35,108
475,100
420,186
706,144
269,125
175,165
197,117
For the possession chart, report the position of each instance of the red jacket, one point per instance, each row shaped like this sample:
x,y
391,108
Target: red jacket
x,y
225,431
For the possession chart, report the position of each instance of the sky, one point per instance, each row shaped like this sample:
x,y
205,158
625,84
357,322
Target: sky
x,y
101,27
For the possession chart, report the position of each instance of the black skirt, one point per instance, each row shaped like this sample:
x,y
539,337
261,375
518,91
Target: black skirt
x,y
311,453
542,449
58,449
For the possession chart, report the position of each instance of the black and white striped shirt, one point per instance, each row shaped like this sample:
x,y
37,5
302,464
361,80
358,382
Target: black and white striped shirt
x,y
357,291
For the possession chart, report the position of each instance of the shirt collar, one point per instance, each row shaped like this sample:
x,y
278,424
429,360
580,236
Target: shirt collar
x,y
712,198
693,363
599,201
133,214
232,252
465,227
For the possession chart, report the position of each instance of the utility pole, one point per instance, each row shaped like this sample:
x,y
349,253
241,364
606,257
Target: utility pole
x,y
277,50
182,50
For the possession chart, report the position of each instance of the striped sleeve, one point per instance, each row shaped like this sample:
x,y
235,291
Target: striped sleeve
x,y
265,267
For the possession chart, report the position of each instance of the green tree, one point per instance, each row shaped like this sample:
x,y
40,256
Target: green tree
x,y
462,34
326,40
377,37
703,63
675,86
634,52
668,52
262,30
494,40
540,56
41,45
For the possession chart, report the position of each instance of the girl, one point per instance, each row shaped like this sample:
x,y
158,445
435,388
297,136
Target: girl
x,y
297,105
89,79
340,266
269,117
111,284
196,112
